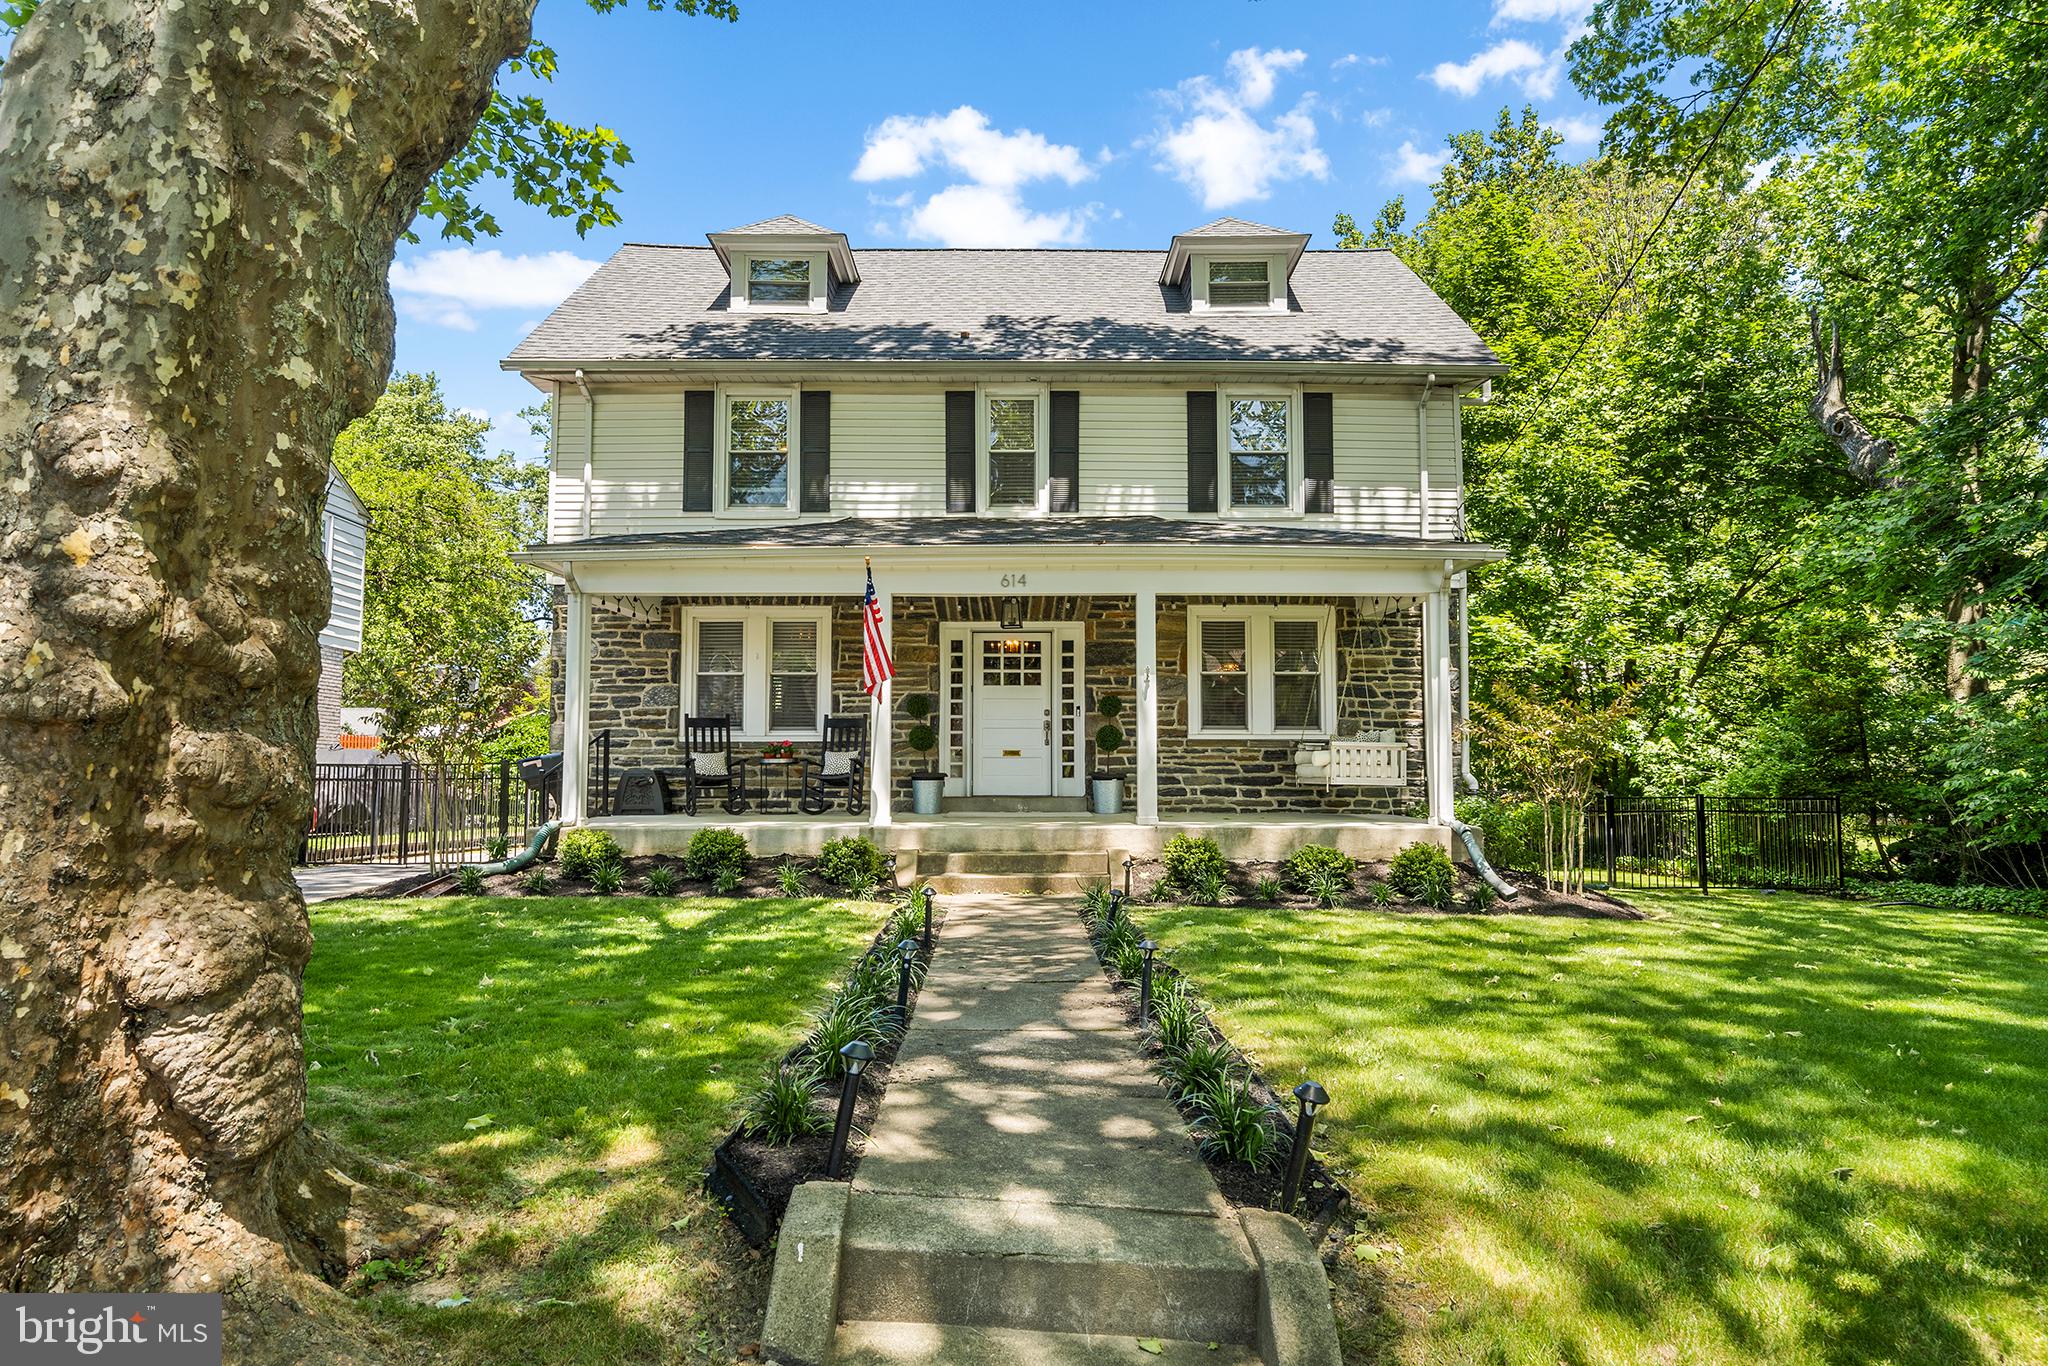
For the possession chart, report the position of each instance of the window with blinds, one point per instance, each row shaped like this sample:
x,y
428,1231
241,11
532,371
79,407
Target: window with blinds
x,y
1297,676
721,670
792,675
1240,284
1012,452
779,280
1226,681
757,443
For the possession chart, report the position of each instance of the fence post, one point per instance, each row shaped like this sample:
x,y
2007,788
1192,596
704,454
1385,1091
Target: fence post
x,y
1841,854
405,812
1607,838
1699,836
505,799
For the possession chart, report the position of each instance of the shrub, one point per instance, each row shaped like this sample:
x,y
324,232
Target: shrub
x,y
537,882
1327,886
583,851
785,1108
1189,858
853,863
607,878
1202,1064
2001,900
789,879
1234,1125
1304,863
661,881
848,1018
470,880
1511,831
1268,888
1422,872
714,851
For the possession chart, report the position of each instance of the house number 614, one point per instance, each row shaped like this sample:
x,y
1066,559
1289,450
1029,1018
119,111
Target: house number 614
x,y
1014,581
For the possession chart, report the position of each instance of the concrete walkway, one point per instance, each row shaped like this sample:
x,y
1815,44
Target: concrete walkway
x,y
332,881
1029,1194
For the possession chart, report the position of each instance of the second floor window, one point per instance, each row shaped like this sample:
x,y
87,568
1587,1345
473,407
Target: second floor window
x,y
779,281
1012,452
1260,434
757,452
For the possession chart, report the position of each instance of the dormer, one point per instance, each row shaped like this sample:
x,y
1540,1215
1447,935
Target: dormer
x,y
784,265
1234,266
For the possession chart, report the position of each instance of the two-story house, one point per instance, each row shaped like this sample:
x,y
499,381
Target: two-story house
x,y
344,544
1220,481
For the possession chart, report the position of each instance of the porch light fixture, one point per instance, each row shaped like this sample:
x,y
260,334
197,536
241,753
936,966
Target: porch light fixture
x,y
1148,948
1013,613
857,1055
1313,1098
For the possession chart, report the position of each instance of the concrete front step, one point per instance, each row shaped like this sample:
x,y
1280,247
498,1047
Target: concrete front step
x,y
940,1344
1091,862
1013,884
1047,1267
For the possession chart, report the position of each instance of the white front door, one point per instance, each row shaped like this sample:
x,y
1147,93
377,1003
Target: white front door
x,y
1012,714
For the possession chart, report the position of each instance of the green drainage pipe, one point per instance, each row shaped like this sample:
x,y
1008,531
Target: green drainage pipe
x,y
1479,863
520,860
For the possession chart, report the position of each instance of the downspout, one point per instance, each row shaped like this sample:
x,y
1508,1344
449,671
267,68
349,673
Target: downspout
x,y
589,449
1465,686
1422,452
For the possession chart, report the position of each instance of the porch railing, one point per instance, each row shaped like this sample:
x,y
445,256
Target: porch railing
x,y
597,787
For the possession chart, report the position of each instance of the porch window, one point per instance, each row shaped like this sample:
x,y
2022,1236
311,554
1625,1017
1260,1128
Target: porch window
x,y
757,452
792,675
1012,452
1261,672
721,670
1260,446
783,281
767,668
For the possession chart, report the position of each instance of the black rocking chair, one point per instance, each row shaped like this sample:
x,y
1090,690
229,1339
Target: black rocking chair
x,y
708,764
841,766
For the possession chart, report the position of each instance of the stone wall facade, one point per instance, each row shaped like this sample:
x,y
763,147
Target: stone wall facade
x,y
637,691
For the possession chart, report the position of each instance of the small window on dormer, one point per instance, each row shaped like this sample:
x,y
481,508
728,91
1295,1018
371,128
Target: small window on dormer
x,y
1239,284
779,281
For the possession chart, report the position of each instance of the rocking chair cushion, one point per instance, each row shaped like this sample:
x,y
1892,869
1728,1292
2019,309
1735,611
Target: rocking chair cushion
x,y
708,763
838,763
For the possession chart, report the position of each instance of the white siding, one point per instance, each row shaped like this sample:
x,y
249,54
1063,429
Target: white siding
x,y
888,454
1134,453
565,478
1375,463
346,533
636,481
1444,493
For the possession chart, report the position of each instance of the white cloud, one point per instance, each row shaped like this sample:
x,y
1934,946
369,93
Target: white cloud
x,y
1411,165
1376,118
1348,59
1539,11
1577,130
448,287
988,210
1225,153
1508,57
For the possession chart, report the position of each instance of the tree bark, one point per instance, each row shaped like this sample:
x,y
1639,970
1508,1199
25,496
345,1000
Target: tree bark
x,y
1869,456
199,202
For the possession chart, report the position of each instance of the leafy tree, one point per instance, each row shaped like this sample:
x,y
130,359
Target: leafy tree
x,y
1552,752
449,621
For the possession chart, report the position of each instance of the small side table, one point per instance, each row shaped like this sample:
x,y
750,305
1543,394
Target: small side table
x,y
755,774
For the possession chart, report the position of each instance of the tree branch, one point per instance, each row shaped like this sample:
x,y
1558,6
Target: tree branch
x,y
1869,457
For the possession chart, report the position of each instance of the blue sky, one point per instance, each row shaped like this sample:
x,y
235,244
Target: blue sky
x,y
920,124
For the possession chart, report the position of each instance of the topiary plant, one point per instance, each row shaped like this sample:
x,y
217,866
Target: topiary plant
x,y
1109,737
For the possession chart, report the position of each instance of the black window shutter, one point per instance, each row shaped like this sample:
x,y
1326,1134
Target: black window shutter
x,y
1065,454
1201,450
814,469
960,450
697,426
1318,454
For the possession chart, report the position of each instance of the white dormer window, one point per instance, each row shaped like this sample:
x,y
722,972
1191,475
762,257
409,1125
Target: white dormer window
x,y
1240,284
779,282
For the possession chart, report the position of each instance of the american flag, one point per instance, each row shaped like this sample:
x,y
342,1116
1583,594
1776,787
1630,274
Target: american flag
x,y
876,668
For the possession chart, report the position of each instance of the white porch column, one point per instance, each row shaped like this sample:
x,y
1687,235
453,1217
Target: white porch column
x,y
882,713
1148,706
576,703
1436,702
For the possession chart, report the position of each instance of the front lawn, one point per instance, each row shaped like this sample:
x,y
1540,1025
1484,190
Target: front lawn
x,y
562,1067
1750,1128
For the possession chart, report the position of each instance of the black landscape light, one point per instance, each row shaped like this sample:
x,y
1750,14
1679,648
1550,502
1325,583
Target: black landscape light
x,y
1129,863
906,952
857,1055
930,899
1149,947
1313,1098
1116,903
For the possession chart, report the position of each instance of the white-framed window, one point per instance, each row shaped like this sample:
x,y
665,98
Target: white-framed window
x,y
1261,442
1238,283
1261,672
767,668
1013,425
757,432
778,282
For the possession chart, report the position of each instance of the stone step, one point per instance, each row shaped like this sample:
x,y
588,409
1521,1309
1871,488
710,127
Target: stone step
x,y
1012,884
940,1344
1032,1264
1087,862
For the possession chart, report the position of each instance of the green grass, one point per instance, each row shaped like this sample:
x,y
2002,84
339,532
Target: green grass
x,y
561,1069
1752,1128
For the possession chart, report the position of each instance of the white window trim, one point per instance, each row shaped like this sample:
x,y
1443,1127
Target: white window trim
x,y
1258,649
1042,420
722,451
1293,506
752,724
743,268
1276,282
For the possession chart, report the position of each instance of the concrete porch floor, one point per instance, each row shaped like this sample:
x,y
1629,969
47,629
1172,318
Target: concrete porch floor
x,y
1262,836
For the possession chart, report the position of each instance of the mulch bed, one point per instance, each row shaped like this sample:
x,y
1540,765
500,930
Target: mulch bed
x,y
759,879
1242,888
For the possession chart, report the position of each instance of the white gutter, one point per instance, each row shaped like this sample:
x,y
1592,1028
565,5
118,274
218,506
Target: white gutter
x,y
1465,684
589,448
1422,450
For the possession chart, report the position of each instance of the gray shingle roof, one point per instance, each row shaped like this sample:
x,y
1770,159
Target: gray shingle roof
x,y
1237,227
783,223
668,303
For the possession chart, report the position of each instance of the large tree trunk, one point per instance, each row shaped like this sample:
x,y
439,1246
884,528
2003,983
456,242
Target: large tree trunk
x,y
199,201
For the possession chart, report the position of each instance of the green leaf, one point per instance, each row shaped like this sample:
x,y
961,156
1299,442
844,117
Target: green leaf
x,y
1151,1345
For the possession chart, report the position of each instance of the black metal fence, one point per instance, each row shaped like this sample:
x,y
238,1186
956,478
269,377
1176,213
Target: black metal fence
x,y
428,814
1705,842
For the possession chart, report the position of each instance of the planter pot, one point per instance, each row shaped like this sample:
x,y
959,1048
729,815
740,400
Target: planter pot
x,y
927,793
1108,795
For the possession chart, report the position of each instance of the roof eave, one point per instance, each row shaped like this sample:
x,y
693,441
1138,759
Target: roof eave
x,y
563,369
1185,246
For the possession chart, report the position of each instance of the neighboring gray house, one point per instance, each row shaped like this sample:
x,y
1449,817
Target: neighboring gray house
x,y
1221,481
344,542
